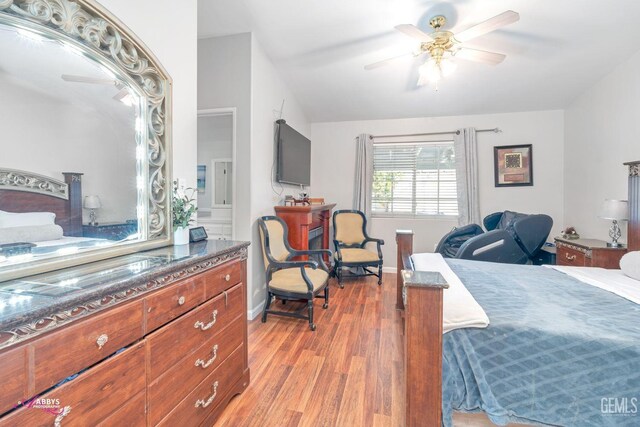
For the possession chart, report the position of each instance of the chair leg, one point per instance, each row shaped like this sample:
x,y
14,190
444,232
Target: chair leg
x,y
339,274
380,275
326,297
267,304
312,325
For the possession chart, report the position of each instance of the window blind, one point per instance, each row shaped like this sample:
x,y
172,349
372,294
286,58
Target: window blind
x,y
414,179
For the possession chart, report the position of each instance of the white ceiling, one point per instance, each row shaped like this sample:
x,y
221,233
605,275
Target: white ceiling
x,y
556,51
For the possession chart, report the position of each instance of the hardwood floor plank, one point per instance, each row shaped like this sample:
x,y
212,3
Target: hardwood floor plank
x,y
348,373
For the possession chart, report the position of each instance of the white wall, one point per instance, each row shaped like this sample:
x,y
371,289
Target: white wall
x,y
224,80
333,164
170,32
215,141
602,129
267,92
73,138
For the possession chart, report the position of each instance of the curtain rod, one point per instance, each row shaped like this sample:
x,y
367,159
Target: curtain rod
x,y
457,132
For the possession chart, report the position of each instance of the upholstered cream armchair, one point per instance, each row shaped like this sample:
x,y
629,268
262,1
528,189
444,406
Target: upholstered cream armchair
x,y
350,239
287,279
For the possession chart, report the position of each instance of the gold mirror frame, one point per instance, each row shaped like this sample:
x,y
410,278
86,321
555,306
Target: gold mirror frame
x,y
98,34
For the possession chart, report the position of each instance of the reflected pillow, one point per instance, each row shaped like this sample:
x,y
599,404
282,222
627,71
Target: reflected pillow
x,y
630,264
26,219
30,234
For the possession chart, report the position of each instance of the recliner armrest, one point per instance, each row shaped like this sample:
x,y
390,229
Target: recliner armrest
x,y
493,246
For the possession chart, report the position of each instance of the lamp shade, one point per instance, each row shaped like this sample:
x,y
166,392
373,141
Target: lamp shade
x,y
92,202
615,210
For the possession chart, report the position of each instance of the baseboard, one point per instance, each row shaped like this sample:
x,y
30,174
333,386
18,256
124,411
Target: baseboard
x,y
389,270
253,313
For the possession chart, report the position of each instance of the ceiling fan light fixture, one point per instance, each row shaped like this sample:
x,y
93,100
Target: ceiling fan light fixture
x,y
435,70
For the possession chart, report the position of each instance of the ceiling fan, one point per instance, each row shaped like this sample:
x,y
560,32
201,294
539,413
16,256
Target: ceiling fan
x,y
123,95
442,46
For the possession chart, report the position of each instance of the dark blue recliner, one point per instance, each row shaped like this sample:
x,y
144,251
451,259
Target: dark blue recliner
x,y
511,238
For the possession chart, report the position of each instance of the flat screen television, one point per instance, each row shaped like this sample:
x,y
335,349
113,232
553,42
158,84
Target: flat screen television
x,y
294,156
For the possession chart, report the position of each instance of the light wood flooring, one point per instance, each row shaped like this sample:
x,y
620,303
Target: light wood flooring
x,y
349,372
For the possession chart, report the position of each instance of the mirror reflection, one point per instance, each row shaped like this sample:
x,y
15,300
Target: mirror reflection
x,y
70,170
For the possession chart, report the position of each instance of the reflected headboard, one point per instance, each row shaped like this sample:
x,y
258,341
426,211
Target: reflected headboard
x,y
22,191
633,232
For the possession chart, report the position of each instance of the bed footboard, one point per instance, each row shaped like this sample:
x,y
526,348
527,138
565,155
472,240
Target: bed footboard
x,y
420,296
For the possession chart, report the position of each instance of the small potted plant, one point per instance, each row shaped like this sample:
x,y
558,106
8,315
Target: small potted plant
x,y
183,207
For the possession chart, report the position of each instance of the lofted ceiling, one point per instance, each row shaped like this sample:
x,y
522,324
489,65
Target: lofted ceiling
x,y
556,51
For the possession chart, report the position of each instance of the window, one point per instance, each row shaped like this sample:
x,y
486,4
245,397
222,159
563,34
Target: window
x,y
414,179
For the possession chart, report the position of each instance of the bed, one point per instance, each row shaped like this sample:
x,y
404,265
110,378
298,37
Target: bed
x,y
25,193
558,351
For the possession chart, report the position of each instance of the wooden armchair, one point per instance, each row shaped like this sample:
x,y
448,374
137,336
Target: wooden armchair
x,y
287,279
350,239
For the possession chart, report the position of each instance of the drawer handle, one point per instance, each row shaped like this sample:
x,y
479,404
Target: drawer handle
x,y
63,413
570,257
227,277
201,325
181,300
102,340
208,363
205,403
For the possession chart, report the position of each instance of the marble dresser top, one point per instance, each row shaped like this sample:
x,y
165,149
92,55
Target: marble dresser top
x,y
38,303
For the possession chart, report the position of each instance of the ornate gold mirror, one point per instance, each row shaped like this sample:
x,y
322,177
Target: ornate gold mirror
x,y
85,164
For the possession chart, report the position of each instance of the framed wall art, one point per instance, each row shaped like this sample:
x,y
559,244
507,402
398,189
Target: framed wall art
x,y
513,165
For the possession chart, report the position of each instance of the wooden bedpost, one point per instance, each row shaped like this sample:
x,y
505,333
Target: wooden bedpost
x,y
421,296
74,218
633,230
404,240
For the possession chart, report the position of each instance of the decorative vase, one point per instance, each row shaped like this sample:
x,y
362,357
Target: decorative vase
x,y
181,236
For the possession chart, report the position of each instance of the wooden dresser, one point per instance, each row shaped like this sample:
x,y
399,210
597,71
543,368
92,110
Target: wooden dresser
x,y
587,253
169,349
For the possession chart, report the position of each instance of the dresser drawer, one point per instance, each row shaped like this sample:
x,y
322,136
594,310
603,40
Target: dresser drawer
x,y
568,256
13,378
72,349
222,278
90,398
168,390
184,335
132,414
177,299
206,396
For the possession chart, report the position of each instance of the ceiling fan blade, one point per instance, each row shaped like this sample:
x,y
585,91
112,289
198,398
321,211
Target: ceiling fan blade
x,y
491,24
92,80
385,61
414,32
479,56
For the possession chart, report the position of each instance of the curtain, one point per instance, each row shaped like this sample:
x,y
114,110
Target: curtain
x,y
466,153
364,174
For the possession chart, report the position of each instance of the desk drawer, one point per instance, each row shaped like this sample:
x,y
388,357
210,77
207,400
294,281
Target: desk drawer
x,y
92,397
177,299
72,349
568,256
221,278
206,396
183,336
168,390
13,378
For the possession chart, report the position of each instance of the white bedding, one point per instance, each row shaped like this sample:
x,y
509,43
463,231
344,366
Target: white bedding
x,y
460,309
614,281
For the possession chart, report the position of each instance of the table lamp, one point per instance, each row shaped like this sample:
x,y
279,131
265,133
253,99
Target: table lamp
x,y
92,203
614,210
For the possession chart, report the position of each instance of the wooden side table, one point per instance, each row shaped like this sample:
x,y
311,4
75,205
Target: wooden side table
x,y
588,253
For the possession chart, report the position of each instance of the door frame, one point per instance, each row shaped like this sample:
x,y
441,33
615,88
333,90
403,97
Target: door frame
x,y
228,111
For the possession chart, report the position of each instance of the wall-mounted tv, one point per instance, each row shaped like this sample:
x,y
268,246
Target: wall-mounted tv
x,y
294,156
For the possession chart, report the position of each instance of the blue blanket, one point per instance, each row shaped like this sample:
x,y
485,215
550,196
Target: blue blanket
x,y
557,352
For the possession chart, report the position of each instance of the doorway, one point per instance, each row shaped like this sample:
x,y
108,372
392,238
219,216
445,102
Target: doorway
x,y
216,172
